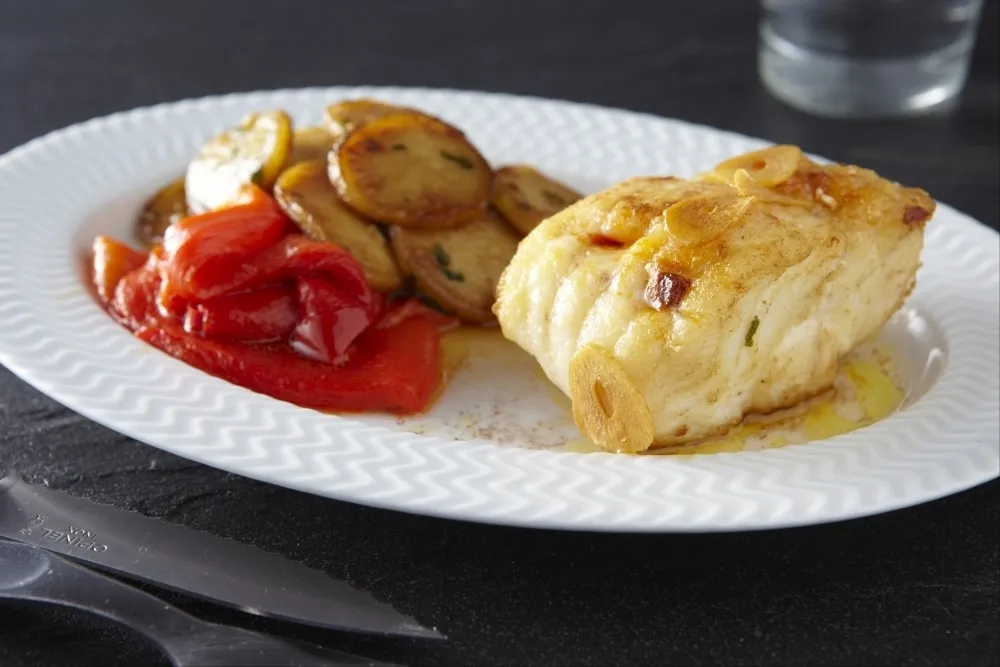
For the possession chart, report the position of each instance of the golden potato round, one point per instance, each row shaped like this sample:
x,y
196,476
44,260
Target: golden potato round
x,y
411,170
459,268
252,152
160,211
310,143
526,196
342,117
306,195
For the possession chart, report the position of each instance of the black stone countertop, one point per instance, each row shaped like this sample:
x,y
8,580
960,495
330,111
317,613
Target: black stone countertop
x,y
917,586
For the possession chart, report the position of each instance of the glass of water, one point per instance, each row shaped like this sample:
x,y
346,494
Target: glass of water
x,y
866,58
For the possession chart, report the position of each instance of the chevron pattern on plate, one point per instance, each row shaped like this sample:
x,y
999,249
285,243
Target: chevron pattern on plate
x,y
58,191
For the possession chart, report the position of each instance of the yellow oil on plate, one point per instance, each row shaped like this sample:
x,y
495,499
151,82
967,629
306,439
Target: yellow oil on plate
x,y
864,392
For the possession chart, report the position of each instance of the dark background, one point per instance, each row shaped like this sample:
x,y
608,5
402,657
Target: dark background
x,y
918,586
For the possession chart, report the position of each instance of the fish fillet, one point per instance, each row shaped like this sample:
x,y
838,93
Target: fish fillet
x,y
668,309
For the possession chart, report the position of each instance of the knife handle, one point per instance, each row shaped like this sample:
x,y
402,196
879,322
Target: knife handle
x,y
33,574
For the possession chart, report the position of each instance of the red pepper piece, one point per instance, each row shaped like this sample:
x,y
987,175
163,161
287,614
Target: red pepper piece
x,y
296,256
398,311
211,254
172,306
376,309
112,260
265,314
330,319
289,258
392,370
134,303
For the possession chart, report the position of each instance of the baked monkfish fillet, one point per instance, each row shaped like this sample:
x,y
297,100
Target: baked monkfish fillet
x,y
668,309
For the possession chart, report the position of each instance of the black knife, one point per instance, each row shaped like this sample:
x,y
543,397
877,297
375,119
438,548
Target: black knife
x,y
192,562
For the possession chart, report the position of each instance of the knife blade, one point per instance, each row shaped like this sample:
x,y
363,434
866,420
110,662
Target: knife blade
x,y
191,561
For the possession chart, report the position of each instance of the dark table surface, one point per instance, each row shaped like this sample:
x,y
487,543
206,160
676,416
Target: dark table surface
x,y
917,586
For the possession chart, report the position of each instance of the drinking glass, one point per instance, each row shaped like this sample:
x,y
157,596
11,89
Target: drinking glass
x,y
866,58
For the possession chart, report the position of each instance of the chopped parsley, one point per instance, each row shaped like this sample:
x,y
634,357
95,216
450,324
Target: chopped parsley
x,y
460,160
398,147
748,341
444,263
257,176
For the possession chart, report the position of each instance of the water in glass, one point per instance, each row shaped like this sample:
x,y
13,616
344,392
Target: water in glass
x,y
866,58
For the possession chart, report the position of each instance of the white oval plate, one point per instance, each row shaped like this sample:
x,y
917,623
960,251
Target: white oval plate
x,y
57,192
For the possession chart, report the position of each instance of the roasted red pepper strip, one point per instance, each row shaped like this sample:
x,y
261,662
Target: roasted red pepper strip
x,y
211,254
112,260
296,256
265,314
393,370
292,257
134,303
171,305
330,318
398,311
